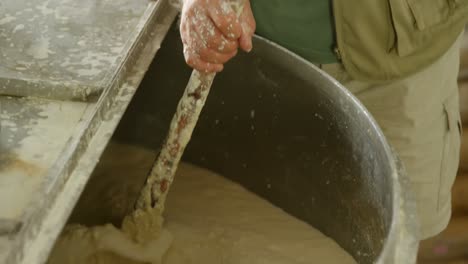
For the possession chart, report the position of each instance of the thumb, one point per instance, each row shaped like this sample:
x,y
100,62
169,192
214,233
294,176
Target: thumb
x,y
248,28
245,41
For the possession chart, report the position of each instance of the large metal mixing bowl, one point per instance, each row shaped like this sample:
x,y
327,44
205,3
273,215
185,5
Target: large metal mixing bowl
x,y
285,130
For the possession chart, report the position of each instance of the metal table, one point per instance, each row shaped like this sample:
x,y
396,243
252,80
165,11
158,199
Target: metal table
x,y
68,71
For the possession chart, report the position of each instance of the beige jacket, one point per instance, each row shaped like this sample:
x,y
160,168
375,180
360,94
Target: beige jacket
x,y
389,39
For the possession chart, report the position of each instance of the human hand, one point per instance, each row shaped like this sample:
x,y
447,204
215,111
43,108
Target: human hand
x,y
211,32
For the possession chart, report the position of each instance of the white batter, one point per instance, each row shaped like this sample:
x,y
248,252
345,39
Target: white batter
x,y
208,220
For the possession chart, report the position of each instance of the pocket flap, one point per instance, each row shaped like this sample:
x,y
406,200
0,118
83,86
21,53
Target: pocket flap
x,y
428,13
453,117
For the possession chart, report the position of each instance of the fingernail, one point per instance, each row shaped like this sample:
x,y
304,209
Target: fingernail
x,y
249,46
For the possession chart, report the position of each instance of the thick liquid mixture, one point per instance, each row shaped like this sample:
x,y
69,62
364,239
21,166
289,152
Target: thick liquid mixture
x,y
209,220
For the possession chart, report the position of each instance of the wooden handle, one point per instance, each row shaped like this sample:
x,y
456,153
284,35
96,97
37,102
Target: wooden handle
x,y
181,128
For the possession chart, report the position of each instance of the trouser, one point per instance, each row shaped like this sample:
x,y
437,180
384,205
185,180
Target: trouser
x,y
420,118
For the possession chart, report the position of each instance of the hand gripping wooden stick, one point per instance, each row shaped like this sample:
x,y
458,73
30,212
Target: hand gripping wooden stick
x,y
158,183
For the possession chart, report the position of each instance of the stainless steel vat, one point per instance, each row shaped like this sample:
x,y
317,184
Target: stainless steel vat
x,y
285,130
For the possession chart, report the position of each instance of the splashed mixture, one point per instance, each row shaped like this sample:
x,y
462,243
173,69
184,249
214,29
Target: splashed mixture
x,y
208,219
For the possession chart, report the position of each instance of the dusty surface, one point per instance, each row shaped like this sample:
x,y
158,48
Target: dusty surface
x,y
208,219
33,134
63,48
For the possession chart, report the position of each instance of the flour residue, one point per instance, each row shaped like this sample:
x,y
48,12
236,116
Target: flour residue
x,y
40,49
7,19
208,219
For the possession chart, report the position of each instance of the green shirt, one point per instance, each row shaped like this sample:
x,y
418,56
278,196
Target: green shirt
x,y
302,26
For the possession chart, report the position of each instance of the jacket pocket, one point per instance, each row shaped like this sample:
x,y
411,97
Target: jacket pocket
x,y
428,13
417,22
451,153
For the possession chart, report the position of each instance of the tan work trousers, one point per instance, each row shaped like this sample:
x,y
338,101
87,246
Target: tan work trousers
x,y
420,118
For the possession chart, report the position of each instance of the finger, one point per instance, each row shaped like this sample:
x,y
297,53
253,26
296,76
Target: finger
x,y
222,44
204,27
206,66
195,62
225,20
185,32
248,29
193,40
213,56
213,38
245,41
